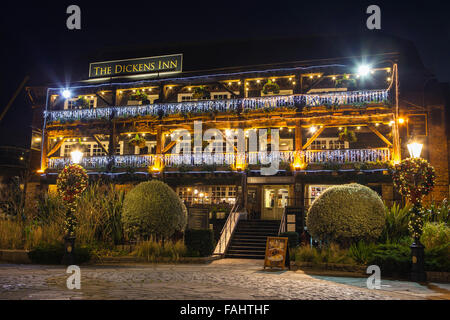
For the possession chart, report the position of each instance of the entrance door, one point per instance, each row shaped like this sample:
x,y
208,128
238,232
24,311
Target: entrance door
x,y
274,198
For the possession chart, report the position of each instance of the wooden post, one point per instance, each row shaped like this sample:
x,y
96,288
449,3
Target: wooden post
x,y
242,88
160,142
297,89
44,157
112,132
298,141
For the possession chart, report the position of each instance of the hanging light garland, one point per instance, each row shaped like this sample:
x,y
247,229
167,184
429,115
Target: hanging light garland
x,y
225,105
71,183
414,178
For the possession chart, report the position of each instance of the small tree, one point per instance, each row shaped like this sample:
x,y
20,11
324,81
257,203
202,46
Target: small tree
x,y
153,209
346,213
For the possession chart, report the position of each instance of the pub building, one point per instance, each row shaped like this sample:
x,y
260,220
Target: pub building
x,y
346,109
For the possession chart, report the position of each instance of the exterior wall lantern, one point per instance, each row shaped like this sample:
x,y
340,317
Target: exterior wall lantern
x,y
415,149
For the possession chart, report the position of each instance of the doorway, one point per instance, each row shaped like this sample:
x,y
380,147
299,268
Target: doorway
x,y
274,200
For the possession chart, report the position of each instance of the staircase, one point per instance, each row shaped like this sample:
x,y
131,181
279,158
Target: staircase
x,y
249,238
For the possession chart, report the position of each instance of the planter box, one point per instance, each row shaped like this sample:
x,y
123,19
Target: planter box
x,y
347,166
15,256
332,266
133,259
435,276
314,166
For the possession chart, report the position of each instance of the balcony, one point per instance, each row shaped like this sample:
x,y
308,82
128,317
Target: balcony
x,y
243,105
342,156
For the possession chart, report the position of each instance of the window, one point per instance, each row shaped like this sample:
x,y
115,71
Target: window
x,y
328,144
207,194
314,191
185,97
91,149
97,150
71,103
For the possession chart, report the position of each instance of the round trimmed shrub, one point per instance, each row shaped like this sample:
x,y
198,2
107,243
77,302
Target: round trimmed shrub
x,y
152,208
345,214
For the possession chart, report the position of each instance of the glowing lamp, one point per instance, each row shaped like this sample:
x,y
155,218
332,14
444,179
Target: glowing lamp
x,y
312,129
363,70
401,120
415,149
76,156
66,94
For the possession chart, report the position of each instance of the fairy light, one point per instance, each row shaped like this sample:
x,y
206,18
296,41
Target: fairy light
x,y
335,98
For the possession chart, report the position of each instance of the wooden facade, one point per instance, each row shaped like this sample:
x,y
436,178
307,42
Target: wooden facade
x,y
312,108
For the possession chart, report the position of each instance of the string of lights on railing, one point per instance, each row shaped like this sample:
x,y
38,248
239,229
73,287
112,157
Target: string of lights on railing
x,y
225,105
254,158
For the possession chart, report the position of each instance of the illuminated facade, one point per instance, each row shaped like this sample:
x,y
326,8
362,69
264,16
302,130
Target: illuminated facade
x,y
337,122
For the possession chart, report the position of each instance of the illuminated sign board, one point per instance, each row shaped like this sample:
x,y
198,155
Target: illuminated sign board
x,y
139,66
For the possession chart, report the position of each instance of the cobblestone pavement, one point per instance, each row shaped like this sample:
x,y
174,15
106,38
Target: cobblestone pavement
x,y
222,279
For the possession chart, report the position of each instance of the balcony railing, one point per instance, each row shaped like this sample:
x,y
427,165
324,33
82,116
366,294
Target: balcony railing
x,y
205,106
101,162
229,159
347,155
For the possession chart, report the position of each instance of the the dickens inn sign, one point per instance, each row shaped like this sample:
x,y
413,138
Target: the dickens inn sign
x,y
120,68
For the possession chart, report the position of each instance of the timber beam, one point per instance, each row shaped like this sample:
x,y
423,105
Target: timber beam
x,y
314,137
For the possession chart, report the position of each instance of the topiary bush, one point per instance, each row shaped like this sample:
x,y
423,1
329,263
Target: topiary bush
x,y
346,214
199,243
152,208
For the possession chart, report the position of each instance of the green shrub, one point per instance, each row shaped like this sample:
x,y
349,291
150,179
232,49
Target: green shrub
x,y
397,220
327,254
199,242
53,254
305,254
99,212
438,212
346,214
435,235
438,258
153,209
293,238
361,252
153,250
393,259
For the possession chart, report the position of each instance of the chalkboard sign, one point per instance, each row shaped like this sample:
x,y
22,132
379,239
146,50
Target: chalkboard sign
x,y
277,253
417,125
198,218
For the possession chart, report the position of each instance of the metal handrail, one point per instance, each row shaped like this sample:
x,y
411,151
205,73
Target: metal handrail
x,y
282,227
228,230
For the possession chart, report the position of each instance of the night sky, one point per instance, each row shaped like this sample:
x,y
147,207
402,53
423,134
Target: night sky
x,y
35,40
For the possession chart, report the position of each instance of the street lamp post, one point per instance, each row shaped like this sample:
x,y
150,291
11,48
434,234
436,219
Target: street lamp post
x,y
418,273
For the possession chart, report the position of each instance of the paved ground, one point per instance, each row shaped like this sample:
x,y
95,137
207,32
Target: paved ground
x,y
222,279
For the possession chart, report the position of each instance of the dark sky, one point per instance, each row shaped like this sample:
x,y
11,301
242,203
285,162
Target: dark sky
x,y
35,40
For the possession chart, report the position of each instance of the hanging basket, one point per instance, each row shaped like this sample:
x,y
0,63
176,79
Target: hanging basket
x,y
138,141
271,87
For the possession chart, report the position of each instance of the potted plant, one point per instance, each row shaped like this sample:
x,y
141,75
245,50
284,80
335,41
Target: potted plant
x,y
347,135
82,103
201,93
138,141
271,87
139,97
